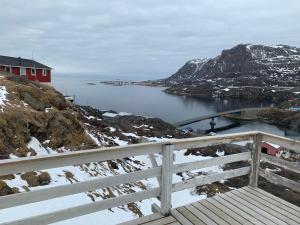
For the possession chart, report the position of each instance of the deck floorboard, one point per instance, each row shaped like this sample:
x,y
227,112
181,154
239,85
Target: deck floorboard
x,y
247,205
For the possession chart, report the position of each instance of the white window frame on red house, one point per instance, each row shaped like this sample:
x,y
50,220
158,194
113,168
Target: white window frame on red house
x,y
44,72
5,69
22,71
33,71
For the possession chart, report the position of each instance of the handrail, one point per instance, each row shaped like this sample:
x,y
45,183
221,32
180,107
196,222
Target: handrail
x,y
18,165
163,172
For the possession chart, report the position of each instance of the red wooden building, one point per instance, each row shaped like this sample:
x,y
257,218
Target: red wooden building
x,y
271,149
28,68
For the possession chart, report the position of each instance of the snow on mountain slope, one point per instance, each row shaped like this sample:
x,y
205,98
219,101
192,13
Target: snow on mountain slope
x,y
246,61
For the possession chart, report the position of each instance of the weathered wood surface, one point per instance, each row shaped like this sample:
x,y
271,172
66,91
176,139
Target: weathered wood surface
x,y
33,163
292,166
70,189
166,183
279,180
207,179
88,208
255,163
211,162
247,205
282,141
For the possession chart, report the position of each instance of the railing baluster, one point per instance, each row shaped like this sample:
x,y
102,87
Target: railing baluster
x,y
255,163
166,183
154,165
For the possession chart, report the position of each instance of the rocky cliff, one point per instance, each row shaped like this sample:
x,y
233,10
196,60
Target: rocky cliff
x,y
260,64
246,71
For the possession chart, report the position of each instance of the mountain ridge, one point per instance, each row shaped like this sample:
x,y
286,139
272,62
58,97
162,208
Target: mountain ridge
x,y
259,61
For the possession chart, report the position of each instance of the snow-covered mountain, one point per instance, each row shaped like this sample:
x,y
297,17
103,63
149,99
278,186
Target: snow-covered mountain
x,y
262,63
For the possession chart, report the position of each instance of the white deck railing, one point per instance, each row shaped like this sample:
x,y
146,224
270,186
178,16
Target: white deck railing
x,y
163,173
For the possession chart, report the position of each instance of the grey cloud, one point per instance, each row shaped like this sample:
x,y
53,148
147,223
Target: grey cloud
x,y
140,37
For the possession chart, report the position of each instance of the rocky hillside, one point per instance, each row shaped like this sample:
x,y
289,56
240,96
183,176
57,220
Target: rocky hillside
x,y
246,71
260,64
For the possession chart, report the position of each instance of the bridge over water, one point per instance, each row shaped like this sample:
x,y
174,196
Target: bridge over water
x,y
214,115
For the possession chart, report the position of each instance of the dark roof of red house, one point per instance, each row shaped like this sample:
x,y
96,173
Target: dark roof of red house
x,y
13,61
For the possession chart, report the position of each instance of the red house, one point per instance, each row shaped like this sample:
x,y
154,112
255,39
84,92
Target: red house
x,y
28,68
271,149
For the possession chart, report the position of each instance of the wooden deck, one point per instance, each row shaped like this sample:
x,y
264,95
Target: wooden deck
x,y
247,205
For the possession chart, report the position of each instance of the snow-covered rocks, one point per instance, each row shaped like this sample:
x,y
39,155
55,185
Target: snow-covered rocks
x,y
3,96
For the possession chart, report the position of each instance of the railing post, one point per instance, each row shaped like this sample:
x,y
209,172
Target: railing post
x,y
255,163
166,179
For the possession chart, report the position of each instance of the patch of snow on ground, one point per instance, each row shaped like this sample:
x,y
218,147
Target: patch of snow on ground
x,y
120,142
3,94
131,135
94,138
125,114
38,148
112,129
108,114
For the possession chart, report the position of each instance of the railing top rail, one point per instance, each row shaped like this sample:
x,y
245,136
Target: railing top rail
x,y
10,166
289,143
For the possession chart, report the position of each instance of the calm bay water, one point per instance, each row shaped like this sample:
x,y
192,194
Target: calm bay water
x,y
153,102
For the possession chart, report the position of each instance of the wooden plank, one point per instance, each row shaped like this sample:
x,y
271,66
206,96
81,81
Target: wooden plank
x,y
174,223
282,141
275,200
205,141
179,217
154,164
249,210
210,214
255,163
279,180
84,209
211,162
166,182
256,207
70,189
34,163
207,179
292,166
229,219
155,208
143,219
162,221
271,208
200,215
190,216
238,210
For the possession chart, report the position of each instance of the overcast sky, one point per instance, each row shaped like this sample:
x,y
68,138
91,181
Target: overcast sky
x,y
140,37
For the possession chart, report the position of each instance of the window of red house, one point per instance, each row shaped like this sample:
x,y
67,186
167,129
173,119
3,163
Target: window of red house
x,y
33,71
8,69
22,71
